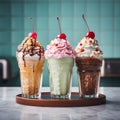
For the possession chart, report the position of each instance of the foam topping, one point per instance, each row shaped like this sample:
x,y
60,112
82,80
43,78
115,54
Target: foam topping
x,y
59,48
88,47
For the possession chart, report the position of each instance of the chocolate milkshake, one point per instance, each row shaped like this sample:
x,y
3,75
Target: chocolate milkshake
x,y
89,61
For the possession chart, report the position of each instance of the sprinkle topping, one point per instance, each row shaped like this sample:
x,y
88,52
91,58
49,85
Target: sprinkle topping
x,y
88,47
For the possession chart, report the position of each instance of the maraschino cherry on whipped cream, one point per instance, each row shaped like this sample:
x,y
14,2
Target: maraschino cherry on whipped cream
x,y
89,47
59,48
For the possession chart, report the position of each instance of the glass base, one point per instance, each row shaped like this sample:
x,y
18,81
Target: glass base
x,y
89,96
60,96
35,96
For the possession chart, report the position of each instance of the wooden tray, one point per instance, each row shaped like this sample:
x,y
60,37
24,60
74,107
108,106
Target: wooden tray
x,y
75,101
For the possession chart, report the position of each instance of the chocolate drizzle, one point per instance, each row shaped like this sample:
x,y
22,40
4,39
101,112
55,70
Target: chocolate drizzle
x,y
31,47
24,61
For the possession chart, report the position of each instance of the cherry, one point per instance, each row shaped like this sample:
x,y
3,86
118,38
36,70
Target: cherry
x,y
62,36
90,34
33,35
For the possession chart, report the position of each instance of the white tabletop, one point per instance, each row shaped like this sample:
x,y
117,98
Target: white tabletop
x,y
10,110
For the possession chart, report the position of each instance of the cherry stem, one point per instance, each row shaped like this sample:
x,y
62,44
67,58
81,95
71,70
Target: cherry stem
x,y
32,24
83,16
59,24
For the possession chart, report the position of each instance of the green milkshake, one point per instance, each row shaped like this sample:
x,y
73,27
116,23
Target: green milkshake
x,y
60,59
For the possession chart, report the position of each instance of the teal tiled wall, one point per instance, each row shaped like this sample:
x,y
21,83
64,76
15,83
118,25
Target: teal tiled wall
x,y
103,17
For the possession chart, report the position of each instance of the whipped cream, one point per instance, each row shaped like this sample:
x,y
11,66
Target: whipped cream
x,y
88,47
30,48
59,48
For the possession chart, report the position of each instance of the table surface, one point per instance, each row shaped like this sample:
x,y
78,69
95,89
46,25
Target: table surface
x,y
10,110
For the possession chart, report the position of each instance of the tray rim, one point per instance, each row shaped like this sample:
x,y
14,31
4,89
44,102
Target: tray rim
x,y
80,102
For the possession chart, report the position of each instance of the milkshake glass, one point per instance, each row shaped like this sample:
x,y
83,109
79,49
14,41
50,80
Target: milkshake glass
x,y
30,57
60,60
89,59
